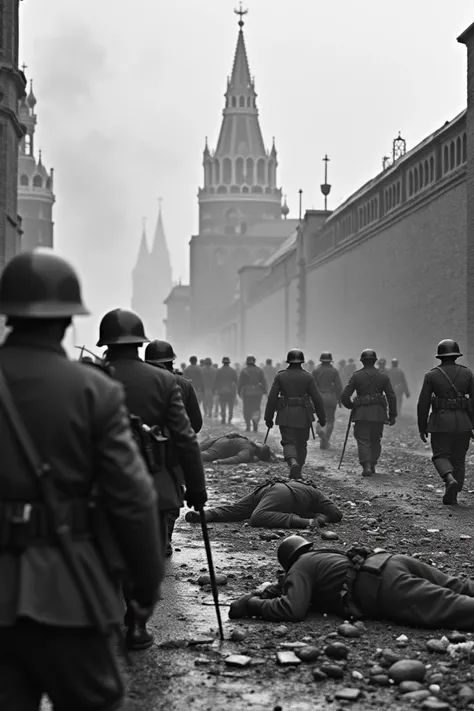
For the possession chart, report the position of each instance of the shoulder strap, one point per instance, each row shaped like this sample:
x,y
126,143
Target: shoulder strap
x,y
458,393
35,462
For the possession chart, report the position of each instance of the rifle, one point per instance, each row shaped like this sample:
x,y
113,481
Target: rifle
x,y
210,565
42,473
345,440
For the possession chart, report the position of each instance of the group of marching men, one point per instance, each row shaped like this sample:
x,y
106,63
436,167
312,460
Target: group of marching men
x,y
96,463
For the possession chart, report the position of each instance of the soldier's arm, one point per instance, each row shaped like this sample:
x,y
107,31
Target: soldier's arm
x,y
264,383
243,457
293,604
193,410
128,496
347,393
272,400
337,386
241,382
328,508
424,404
318,403
184,441
391,398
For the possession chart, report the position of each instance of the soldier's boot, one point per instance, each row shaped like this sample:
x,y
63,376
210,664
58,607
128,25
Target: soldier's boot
x,y
137,637
255,426
372,466
247,427
452,488
366,469
324,443
295,469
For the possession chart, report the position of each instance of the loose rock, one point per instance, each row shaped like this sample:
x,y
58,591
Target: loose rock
x,y
238,635
201,640
406,687
333,671
466,693
380,680
336,650
456,637
206,580
416,695
390,656
348,694
357,675
437,646
237,660
329,536
407,670
308,654
348,630
281,631
287,659
319,675
435,705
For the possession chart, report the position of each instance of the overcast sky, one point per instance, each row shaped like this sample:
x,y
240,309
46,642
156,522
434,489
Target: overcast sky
x,y
128,90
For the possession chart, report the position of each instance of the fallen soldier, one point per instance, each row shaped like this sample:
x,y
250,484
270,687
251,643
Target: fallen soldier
x,y
277,504
234,448
360,583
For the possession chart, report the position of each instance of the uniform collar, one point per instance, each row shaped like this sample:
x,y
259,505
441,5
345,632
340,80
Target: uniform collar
x,y
26,340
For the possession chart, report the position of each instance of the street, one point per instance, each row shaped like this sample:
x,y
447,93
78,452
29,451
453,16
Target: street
x,y
399,509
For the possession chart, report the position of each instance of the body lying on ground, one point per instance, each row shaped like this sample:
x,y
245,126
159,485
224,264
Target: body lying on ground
x,y
234,448
361,584
277,503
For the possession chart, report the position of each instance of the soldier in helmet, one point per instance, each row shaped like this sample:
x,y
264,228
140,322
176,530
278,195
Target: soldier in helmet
x,y
162,355
360,583
448,390
382,365
369,409
348,371
194,373
252,386
209,379
399,384
74,416
226,389
153,395
329,385
270,371
294,396
277,504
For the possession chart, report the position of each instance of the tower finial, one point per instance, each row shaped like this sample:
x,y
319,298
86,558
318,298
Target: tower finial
x,y
160,202
241,12
144,221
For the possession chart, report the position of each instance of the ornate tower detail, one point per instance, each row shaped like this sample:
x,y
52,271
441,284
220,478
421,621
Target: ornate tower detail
x,y
35,184
240,176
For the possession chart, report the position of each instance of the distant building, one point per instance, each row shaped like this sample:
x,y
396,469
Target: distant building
x,y
178,321
35,184
152,281
240,215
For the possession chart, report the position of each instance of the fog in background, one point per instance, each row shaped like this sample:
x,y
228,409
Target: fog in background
x,y
127,92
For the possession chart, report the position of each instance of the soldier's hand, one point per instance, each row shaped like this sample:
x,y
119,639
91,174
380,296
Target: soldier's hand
x,y
239,607
322,423
424,437
269,424
196,499
318,521
391,421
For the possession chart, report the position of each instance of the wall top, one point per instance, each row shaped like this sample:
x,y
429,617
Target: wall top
x,y
466,36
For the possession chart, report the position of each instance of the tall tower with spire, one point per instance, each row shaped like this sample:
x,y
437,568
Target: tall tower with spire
x,y
152,279
35,184
240,219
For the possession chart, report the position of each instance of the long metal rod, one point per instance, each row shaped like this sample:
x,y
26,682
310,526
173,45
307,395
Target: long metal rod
x,y
212,574
345,440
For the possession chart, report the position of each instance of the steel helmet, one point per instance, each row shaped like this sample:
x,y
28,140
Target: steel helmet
x,y
120,327
448,348
40,285
395,361
193,360
288,549
295,356
368,354
251,360
264,452
160,352
325,357
226,360
268,361
208,361
383,361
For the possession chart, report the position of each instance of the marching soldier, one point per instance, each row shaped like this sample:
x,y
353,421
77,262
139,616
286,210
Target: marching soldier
x,y
359,583
348,371
449,390
399,384
277,504
382,365
226,389
51,640
209,379
293,396
252,387
153,395
194,373
270,372
329,385
369,409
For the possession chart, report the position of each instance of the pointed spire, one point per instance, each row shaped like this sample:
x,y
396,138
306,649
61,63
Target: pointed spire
x,y
143,252
240,77
31,100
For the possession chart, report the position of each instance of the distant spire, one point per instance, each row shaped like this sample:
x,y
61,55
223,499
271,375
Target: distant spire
x,y
143,252
240,77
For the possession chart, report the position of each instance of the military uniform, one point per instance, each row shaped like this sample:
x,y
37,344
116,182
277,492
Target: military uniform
x,y
278,504
75,416
233,448
399,384
209,380
194,373
295,397
348,371
269,371
369,411
382,586
226,388
448,390
251,388
329,385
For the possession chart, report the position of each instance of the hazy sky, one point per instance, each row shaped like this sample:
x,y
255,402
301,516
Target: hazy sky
x,y
128,90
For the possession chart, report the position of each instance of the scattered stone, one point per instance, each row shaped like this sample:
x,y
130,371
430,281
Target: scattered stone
x,y
238,635
336,650
347,694
287,659
292,645
436,678
433,704
406,687
380,680
360,625
433,530
466,693
464,537
281,631
376,670
201,640
237,660
201,661
319,675
407,670
357,675
401,641
390,656
329,536
206,580
437,646
434,689
415,696
269,536
308,654
333,671
348,630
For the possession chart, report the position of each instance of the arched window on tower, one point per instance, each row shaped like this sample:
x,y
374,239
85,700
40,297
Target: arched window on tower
x,y
227,171
458,151
399,192
416,182
452,156
249,101
420,169
464,148
249,166
234,101
24,180
217,172
37,181
239,171
261,171
445,158
242,102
